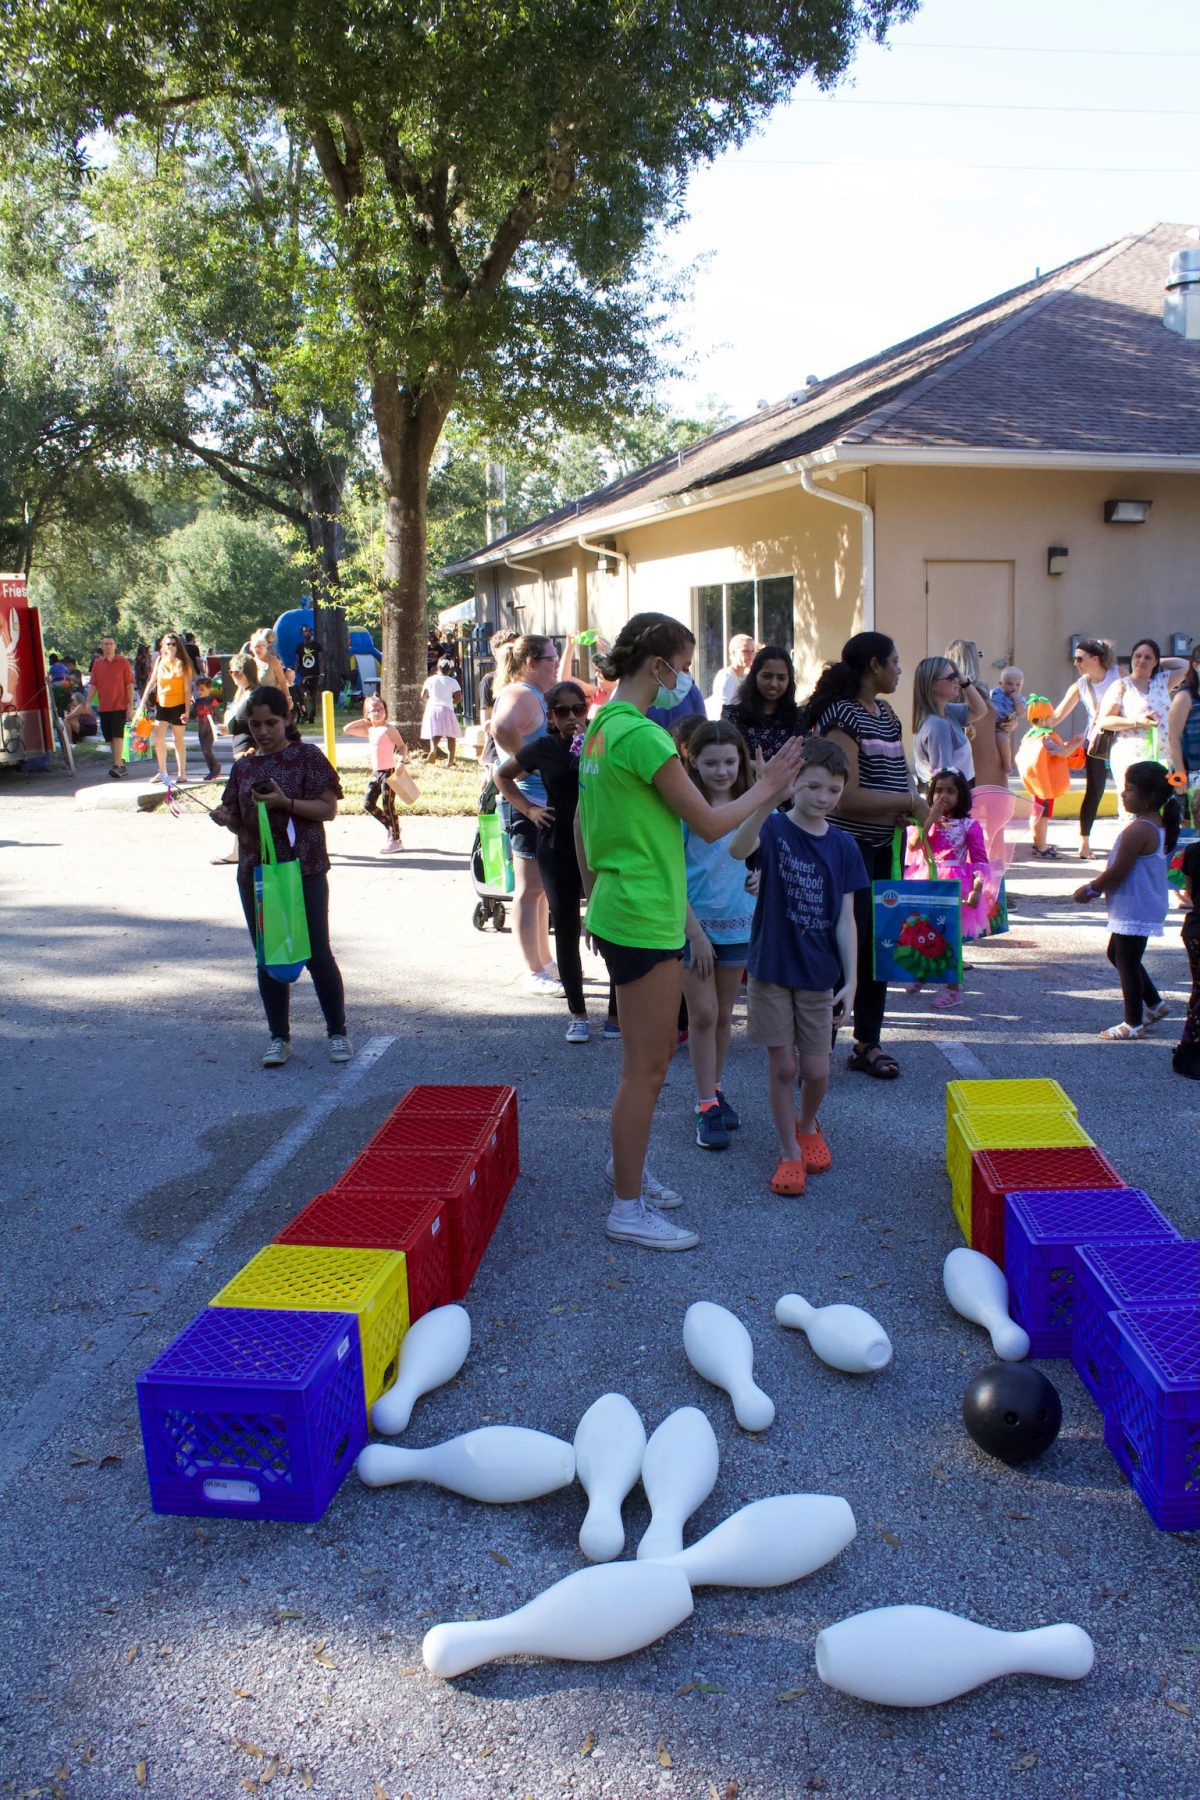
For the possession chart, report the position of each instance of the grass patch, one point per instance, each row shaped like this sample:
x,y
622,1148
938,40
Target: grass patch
x,y
445,793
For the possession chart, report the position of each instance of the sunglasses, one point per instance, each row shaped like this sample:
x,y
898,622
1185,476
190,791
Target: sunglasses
x,y
575,707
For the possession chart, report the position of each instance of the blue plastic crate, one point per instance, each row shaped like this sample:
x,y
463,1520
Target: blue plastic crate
x,y
1152,1421
252,1413
1110,1277
1041,1231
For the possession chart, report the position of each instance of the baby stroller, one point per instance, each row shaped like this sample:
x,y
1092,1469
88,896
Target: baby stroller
x,y
491,864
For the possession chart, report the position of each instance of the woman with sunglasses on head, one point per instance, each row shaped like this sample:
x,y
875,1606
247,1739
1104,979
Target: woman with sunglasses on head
x,y
1096,673
171,679
555,758
300,789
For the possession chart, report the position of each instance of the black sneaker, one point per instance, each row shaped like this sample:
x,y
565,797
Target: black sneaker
x,y
729,1117
710,1131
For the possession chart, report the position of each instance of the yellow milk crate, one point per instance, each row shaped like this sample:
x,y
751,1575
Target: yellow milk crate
x,y
972,1097
1007,1128
372,1284
1028,1130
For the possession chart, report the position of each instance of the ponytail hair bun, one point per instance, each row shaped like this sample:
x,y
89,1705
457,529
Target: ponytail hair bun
x,y
647,635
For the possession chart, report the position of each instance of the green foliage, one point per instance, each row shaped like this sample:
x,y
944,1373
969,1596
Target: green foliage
x,y
495,178
220,576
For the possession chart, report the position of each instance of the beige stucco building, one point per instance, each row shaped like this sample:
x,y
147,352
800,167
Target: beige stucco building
x,y
961,484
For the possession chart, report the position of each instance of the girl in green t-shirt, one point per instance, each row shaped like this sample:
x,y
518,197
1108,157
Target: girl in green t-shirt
x,y
633,793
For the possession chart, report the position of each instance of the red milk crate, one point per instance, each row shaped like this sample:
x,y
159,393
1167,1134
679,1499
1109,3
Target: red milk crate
x,y
1041,1232
995,1173
492,1140
253,1414
1112,1277
498,1103
366,1220
443,1175
1152,1422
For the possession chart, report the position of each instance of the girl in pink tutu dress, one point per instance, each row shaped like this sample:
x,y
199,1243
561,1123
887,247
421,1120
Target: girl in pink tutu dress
x,y
957,844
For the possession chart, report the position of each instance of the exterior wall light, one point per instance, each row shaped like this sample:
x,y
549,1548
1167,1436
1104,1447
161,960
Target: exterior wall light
x,y
1126,512
1056,559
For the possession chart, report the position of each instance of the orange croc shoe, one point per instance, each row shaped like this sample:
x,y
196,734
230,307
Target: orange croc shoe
x,y
816,1151
788,1178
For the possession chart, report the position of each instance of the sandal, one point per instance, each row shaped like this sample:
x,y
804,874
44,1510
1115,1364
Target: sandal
x,y
946,999
869,1059
1123,1033
1049,854
788,1178
817,1157
1152,1014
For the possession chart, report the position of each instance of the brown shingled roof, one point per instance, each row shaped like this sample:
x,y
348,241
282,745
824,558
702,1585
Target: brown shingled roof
x,y
1077,361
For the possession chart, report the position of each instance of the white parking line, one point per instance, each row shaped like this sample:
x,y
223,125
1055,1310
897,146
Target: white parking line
x,y
45,1410
964,1062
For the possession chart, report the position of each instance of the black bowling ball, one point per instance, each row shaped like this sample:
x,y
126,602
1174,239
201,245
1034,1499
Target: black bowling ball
x,y
1012,1411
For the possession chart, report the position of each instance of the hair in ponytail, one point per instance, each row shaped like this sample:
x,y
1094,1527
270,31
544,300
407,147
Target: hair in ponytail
x,y
646,636
1150,780
843,680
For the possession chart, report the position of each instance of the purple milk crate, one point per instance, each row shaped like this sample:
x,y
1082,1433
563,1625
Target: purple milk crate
x,y
253,1414
1152,1421
1042,1229
1110,1277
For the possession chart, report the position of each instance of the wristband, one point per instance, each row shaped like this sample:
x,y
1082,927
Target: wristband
x,y
1091,893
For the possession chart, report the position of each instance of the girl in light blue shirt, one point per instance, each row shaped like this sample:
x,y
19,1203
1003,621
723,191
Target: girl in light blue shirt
x,y
720,913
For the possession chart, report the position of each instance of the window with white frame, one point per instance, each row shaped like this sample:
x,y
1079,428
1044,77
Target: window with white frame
x,y
764,610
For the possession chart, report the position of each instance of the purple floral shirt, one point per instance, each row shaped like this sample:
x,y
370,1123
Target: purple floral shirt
x,y
303,773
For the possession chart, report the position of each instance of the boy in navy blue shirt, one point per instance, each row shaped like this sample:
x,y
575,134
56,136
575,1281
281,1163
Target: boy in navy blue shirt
x,y
803,961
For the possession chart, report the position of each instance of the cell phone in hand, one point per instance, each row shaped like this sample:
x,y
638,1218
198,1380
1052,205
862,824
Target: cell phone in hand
x,y
260,787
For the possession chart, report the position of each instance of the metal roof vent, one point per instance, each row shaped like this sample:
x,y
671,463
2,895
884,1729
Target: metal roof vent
x,y
1181,303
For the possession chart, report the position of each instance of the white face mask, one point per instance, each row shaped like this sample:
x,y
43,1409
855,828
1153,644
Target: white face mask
x,y
668,698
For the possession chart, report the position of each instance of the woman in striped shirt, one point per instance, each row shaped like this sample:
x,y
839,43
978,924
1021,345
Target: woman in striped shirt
x,y
848,707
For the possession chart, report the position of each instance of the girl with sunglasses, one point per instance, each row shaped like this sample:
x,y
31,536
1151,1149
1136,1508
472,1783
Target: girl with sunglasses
x,y
171,680
555,758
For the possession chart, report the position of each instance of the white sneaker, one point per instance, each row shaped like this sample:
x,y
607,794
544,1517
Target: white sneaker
x,y
577,1031
278,1054
551,969
390,847
653,1191
340,1049
538,982
645,1225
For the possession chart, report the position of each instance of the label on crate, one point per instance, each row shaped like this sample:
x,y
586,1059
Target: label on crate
x,y
435,1227
242,1493
343,1348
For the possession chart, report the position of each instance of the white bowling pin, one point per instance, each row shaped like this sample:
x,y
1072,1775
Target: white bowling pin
x,y
919,1656
769,1542
976,1288
609,1445
719,1347
433,1351
591,1616
679,1471
845,1337
496,1463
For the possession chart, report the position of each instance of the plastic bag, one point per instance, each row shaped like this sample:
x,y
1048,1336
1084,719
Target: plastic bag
x,y
281,923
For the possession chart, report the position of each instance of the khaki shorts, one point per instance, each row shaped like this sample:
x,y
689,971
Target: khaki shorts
x,y
782,1015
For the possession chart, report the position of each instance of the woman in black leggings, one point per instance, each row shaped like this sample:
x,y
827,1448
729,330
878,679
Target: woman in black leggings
x,y
300,790
1096,671
555,757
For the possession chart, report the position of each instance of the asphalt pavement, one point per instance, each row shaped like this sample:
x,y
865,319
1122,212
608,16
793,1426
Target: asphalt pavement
x,y
145,1155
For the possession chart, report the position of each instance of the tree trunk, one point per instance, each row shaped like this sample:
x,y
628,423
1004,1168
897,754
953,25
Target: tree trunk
x,y
402,443
323,529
